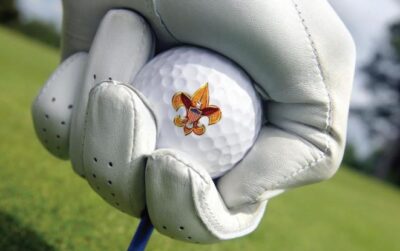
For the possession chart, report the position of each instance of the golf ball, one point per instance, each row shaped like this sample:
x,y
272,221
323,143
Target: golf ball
x,y
205,106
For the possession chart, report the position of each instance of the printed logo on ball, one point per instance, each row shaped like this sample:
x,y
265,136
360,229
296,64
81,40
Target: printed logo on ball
x,y
196,106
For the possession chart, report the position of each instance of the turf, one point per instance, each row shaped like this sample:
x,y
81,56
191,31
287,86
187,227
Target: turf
x,y
45,206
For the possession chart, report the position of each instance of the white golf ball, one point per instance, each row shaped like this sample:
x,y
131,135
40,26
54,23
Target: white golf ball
x,y
205,106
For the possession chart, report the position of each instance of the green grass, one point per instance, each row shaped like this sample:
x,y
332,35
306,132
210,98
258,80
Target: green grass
x,y
45,206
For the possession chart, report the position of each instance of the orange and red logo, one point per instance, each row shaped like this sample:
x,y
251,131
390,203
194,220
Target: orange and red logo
x,y
196,107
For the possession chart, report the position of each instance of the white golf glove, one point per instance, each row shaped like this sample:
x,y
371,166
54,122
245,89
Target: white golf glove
x,y
297,51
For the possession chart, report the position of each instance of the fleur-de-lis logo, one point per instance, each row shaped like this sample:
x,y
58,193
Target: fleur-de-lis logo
x,y
196,107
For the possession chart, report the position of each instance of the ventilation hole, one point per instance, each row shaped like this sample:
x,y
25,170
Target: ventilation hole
x,y
94,175
62,122
181,228
113,194
94,76
110,164
189,237
70,106
53,99
109,78
47,116
58,136
116,203
98,188
164,227
95,159
110,182
44,129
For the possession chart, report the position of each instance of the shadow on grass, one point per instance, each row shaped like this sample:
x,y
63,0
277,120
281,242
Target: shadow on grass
x,y
16,237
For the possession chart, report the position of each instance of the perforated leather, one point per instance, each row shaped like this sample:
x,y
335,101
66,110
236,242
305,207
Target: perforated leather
x,y
53,107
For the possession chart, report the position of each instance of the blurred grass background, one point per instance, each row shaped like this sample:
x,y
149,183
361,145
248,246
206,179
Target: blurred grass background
x,y
45,206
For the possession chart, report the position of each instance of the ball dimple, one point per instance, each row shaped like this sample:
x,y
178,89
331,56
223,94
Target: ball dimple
x,y
185,69
224,159
213,156
165,70
205,144
221,142
176,72
179,83
189,71
167,81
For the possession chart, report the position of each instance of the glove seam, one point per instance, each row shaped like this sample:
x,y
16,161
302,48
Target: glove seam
x,y
212,220
218,230
143,100
176,158
320,73
132,101
163,24
328,120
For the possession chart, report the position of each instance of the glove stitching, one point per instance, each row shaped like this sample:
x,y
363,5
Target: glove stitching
x,y
158,14
190,167
218,230
159,156
320,74
328,122
132,101
144,101
211,220
302,138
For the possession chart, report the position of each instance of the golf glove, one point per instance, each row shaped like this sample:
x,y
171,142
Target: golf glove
x,y
300,56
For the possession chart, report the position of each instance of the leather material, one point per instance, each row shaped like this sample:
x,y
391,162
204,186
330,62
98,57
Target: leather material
x,y
184,203
53,107
123,44
300,56
309,96
79,28
119,133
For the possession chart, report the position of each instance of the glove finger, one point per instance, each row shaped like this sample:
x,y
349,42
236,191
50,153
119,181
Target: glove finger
x,y
52,108
79,28
122,45
184,203
119,132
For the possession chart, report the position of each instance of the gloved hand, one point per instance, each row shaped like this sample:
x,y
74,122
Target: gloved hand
x,y
297,51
